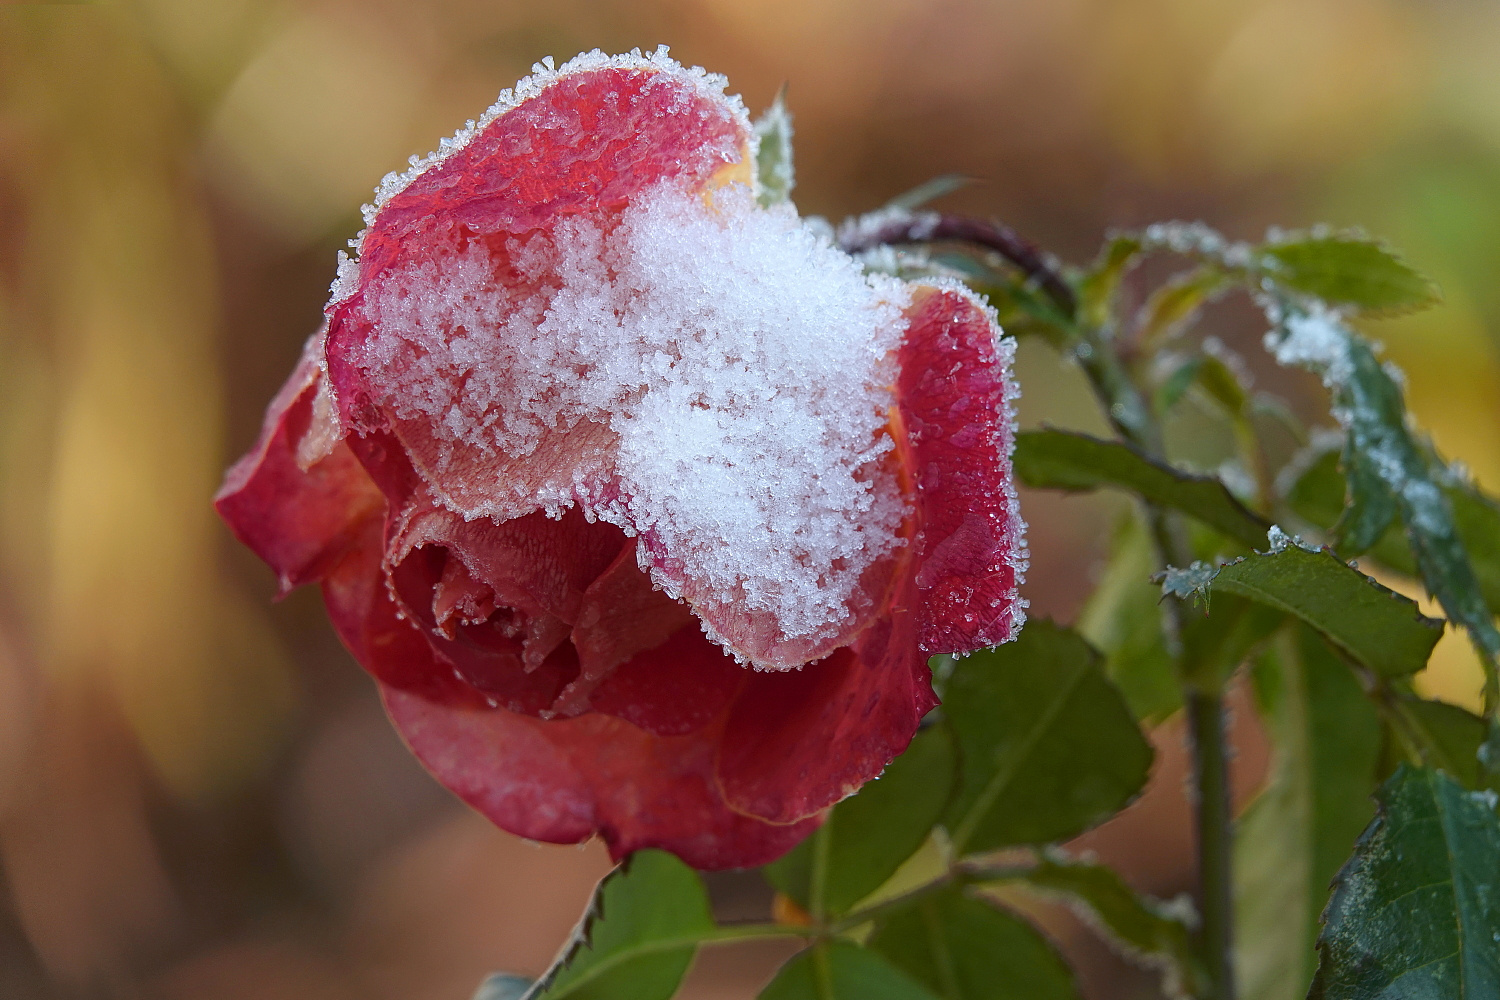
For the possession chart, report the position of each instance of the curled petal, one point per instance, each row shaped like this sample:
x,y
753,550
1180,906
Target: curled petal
x,y
389,646
799,741
955,398
561,780
299,498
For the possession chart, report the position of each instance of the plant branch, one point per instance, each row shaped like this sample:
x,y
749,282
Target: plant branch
x,y
1130,414
889,227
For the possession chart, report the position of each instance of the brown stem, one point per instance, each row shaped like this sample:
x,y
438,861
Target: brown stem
x,y
887,228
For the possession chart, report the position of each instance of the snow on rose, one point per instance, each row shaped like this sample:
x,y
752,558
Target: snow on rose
x,y
643,503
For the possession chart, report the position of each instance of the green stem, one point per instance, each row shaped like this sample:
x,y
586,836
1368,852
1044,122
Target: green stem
x,y
822,845
1205,714
1130,413
1131,416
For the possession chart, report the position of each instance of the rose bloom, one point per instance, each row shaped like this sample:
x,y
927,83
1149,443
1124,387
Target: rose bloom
x,y
644,505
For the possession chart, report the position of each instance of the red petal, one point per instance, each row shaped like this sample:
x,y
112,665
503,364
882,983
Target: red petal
x,y
799,741
536,564
299,520
388,646
622,614
585,142
675,689
971,551
562,780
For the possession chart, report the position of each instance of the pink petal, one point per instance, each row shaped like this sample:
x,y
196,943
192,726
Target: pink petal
x,y
562,780
955,403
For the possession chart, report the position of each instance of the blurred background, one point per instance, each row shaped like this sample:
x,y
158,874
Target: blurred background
x,y
199,796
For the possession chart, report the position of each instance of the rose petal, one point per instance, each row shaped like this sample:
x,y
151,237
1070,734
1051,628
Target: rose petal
x,y
622,614
537,564
955,399
674,689
391,648
300,520
560,781
577,143
799,741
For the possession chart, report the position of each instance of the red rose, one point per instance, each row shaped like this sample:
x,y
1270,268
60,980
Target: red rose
x,y
644,504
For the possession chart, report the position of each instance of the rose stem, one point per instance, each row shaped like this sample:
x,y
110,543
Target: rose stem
x,y
1128,412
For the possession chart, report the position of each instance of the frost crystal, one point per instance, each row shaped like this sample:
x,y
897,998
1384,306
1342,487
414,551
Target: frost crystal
x,y
1314,339
1185,583
740,363
1279,541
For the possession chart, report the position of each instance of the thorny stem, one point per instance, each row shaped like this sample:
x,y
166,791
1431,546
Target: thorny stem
x,y
1130,414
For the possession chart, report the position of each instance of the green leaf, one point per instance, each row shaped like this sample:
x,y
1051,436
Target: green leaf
x,y
638,937
1146,931
1447,738
1122,618
1066,460
1477,518
1223,385
1296,833
867,837
1047,745
1369,507
1215,644
1317,495
1096,291
1416,911
1023,312
503,986
840,970
1348,270
1376,626
964,949
1176,385
1173,306
1384,461
774,173
929,191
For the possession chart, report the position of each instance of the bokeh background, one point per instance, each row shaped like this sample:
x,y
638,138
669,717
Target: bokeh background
x,y
199,797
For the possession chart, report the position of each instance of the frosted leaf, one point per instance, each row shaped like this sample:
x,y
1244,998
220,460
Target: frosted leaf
x,y
1199,240
775,175
1314,339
